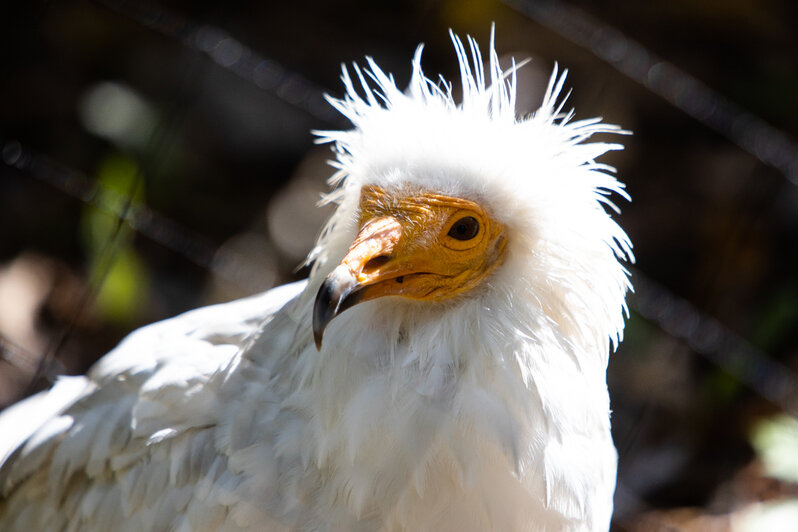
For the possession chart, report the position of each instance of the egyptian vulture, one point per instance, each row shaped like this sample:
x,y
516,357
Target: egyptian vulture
x,y
443,367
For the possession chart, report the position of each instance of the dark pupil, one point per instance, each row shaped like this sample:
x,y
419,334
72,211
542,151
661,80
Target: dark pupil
x,y
465,228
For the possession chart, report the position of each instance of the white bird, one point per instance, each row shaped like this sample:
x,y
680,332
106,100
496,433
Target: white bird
x,y
464,299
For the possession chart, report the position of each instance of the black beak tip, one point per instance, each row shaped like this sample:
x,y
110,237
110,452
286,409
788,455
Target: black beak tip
x,y
317,335
333,298
323,311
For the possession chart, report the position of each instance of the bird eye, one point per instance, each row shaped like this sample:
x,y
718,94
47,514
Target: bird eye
x,y
464,228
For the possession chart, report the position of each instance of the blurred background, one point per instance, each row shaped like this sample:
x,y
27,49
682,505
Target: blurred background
x,y
157,156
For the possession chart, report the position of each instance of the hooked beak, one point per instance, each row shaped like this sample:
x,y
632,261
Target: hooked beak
x,y
361,267
338,292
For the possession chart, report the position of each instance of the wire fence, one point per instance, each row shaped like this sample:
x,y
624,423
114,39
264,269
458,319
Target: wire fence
x,y
230,265
674,315
232,55
680,89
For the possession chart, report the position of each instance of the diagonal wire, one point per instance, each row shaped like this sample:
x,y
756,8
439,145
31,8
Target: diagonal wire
x,y
232,55
705,335
230,265
682,90
16,355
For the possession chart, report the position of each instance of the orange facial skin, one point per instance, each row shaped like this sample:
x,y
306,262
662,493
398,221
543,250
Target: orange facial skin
x,y
415,244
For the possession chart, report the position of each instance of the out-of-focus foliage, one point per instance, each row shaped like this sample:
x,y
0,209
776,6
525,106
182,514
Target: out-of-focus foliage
x,y
776,442
113,260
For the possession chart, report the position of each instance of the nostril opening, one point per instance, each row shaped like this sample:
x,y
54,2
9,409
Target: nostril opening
x,y
375,263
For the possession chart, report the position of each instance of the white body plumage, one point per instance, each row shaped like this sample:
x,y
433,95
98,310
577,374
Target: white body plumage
x,y
486,412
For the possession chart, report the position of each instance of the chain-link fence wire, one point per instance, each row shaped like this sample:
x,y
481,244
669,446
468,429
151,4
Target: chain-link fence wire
x,y
704,334
680,89
232,55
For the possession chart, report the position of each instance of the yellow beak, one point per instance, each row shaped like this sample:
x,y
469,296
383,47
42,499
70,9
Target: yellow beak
x,y
366,263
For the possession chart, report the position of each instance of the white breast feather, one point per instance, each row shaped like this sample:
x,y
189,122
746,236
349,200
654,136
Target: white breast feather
x,y
489,412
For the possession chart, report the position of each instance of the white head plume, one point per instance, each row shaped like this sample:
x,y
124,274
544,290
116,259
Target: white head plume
x,y
536,174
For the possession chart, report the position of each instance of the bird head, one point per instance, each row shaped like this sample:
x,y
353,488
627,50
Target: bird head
x,y
441,201
414,243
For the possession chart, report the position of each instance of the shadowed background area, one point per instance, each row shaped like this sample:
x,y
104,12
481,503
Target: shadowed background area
x,y
157,156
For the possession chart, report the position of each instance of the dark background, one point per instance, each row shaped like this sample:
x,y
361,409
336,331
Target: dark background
x,y
157,156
